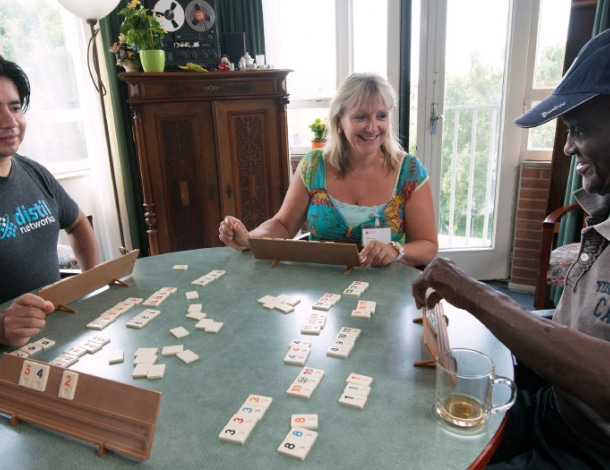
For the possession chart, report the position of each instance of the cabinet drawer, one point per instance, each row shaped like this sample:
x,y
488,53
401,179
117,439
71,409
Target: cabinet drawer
x,y
185,86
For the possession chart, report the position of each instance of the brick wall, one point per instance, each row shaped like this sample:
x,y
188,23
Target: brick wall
x,y
534,181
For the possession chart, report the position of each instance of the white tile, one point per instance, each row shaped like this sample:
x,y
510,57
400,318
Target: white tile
x,y
179,332
187,356
68,384
116,356
172,350
214,327
359,379
140,371
307,421
156,371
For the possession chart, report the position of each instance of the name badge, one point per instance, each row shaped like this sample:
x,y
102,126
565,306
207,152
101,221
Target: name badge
x,y
383,234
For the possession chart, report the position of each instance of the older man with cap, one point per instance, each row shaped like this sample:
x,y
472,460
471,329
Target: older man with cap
x,y
565,424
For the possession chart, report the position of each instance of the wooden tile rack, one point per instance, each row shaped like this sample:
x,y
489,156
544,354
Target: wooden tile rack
x,y
111,415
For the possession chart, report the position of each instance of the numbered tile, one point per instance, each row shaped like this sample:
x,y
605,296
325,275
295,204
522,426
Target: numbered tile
x,y
355,401
307,421
237,434
27,372
67,389
357,389
19,353
45,343
40,377
31,348
359,379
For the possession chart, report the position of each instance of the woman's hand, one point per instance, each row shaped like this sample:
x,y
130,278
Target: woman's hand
x,y
233,233
377,253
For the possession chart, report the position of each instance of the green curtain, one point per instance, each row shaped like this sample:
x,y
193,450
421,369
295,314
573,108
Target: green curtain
x,y
117,91
236,16
571,224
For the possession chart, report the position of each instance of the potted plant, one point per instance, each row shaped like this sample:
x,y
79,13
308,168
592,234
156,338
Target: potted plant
x,y
320,133
126,55
143,32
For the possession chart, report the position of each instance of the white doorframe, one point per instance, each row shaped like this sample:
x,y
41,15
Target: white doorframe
x,y
492,262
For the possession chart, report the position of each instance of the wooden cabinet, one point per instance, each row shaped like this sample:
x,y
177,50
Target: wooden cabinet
x,y
208,145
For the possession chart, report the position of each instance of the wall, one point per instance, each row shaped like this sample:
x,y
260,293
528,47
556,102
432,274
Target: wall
x,y
534,183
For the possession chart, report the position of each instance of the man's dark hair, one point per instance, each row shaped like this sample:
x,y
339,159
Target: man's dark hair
x,y
16,74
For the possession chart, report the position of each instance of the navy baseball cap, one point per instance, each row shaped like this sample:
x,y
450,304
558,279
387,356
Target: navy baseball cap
x,y
588,76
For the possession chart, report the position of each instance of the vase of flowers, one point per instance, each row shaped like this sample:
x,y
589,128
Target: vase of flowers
x,y
320,133
143,32
126,55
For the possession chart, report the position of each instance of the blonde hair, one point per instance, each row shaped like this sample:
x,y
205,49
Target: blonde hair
x,y
357,89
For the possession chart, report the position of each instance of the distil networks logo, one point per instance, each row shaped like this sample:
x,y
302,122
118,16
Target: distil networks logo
x,y
26,219
7,228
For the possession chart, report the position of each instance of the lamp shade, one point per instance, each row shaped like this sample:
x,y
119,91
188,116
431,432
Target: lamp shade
x,y
89,9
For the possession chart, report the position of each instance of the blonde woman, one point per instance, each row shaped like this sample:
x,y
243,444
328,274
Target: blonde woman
x,y
361,176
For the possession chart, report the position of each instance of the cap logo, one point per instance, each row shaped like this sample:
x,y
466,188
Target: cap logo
x,y
553,109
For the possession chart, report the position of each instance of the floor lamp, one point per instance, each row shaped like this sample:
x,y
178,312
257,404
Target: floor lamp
x,y
92,11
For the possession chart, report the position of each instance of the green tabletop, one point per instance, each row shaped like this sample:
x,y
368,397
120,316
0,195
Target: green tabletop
x,y
397,427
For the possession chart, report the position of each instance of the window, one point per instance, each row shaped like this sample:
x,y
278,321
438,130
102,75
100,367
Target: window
x,y
322,41
56,128
554,16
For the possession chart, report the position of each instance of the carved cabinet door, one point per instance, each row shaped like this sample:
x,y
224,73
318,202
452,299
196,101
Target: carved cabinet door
x,y
248,147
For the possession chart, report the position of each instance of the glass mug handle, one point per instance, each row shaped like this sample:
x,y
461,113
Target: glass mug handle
x,y
513,393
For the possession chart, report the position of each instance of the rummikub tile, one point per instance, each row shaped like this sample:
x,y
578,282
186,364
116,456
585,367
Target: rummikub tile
x,y
192,295
366,314
147,351
298,443
187,356
307,421
356,389
145,359
31,348
103,340
19,353
260,401
140,371
45,343
195,308
179,332
180,267
359,379
266,298
214,327
172,350
156,371
243,420
40,377
311,329
116,356
67,388
204,323
355,401
237,434
27,372
91,347
195,315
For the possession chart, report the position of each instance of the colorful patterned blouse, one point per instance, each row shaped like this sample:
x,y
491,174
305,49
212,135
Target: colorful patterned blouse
x,y
326,222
